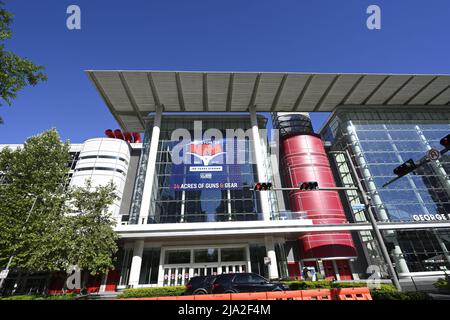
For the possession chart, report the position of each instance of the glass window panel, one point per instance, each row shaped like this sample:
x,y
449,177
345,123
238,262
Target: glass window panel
x,y
206,255
177,256
410,146
376,146
232,254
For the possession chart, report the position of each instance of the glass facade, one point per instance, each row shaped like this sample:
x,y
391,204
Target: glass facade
x,y
169,205
381,140
384,145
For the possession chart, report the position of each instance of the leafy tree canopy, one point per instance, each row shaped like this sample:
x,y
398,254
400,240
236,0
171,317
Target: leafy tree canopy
x,y
15,72
46,224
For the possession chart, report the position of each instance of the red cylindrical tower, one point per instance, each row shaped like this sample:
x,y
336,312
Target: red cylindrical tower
x,y
304,159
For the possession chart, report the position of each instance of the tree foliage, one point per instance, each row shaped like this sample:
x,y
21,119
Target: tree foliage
x,y
15,72
90,228
33,173
67,226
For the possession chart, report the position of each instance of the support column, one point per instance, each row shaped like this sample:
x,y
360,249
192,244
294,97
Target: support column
x,y
400,262
355,275
161,268
270,249
103,282
336,270
320,267
259,159
249,260
136,263
151,167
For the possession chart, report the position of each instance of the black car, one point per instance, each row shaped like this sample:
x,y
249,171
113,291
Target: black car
x,y
199,285
245,282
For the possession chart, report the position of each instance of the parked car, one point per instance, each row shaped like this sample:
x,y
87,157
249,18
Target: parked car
x,y
245,282
199,285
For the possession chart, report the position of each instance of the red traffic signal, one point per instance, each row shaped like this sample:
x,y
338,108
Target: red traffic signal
x,y
309,185
405,168
445,141
263,186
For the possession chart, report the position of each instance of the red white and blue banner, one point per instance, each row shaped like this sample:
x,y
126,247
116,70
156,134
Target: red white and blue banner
x,y
204,167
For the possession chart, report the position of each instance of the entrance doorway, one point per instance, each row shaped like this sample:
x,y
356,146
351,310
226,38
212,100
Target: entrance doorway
x,y
180,275
344,269
181,264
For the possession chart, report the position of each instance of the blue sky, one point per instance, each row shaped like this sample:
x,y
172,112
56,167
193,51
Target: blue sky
x,y
207,35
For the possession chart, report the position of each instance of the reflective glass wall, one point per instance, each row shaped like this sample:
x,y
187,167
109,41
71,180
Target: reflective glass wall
x,y
386,140
169,205
379,141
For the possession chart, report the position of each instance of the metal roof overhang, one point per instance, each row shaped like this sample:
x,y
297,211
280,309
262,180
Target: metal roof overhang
x,y
132,95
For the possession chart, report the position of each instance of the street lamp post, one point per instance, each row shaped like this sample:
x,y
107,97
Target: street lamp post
x,y
2,280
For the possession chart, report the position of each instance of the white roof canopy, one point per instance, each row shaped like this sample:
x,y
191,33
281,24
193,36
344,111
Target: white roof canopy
x,y
132,95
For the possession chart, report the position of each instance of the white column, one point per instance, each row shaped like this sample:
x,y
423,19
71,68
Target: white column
x,y
400,262
136,263
161,268
270,249
151,166
336,270
249,261
320,267
355,275
259,158
103,282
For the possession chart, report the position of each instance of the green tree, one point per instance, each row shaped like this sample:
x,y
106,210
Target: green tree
x,y
15,72
67,226
33,176
89,229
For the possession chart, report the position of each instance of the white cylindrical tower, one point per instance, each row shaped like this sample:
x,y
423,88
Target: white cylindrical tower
x,y
103,160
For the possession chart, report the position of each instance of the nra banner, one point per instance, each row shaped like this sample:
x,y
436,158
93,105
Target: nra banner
x,y
204,167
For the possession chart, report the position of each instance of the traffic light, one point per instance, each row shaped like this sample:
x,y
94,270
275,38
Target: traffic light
x,y
309,185
263,186
445,141
405,168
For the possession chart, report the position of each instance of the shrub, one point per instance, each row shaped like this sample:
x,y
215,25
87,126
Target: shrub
x,y
348,284
305,285
443,283
378,294
67,296
324,284
152,292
